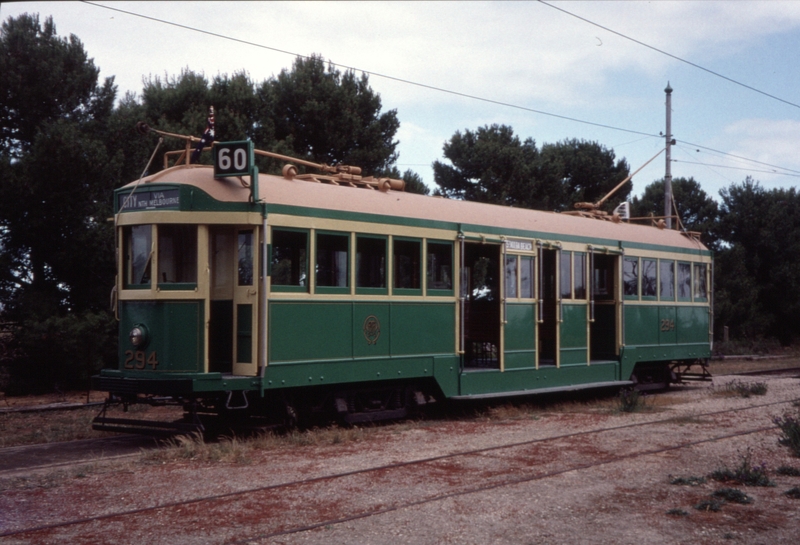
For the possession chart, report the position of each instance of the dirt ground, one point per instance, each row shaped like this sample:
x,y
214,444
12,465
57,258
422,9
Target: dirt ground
x,y
543,476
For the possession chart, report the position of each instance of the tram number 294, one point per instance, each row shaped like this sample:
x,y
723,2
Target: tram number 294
x,y
137,359
667,325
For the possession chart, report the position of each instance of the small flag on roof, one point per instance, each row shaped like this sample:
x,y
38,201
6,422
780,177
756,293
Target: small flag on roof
x,y
207,138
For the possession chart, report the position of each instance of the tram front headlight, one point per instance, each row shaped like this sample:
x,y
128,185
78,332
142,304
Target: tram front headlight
x,y
138,335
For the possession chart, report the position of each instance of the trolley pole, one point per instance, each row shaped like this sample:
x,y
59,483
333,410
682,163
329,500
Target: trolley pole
x,y
668,173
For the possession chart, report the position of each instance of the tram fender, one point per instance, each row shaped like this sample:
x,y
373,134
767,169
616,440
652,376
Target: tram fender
x,y
627,362
445,371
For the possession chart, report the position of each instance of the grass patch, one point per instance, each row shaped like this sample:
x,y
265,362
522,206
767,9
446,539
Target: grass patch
x,y
737,388
732,495
687,481
630,400
712,504
46,427
793,493
746,473
235,450
789,425
788,471
678,513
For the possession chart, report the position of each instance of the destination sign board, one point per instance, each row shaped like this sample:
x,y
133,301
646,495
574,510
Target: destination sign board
x,y
521,245
149,200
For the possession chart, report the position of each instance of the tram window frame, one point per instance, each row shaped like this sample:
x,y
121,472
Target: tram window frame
x,y
700,282
565,275
579,291
298,260
443,275
246,254
630,289
143,234
511,276
666,267
649,282
323,241
414,268
684,281
177,250
370,274
527,290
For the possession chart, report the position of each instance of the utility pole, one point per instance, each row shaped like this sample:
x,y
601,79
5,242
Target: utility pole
x,y
668,174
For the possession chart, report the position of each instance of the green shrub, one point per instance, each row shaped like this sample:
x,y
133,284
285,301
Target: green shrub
x,y
790,432
746,474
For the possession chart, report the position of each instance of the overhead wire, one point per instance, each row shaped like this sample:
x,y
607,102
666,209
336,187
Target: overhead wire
x,y
476,97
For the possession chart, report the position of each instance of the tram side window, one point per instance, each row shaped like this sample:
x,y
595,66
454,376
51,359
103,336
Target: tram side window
x,y
565,274
511,277
649,278
407,265
684,281
700,293
289,261
630,276
137,245
370,262
579,278
332,258
667,283
245,250
526,277
440,266
177,254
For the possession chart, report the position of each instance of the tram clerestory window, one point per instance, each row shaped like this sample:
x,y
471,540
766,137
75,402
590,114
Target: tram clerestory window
x,y
630,276
511,276
332,251
407,264
440,266
177,254
370,262
667,280
289,259
138,257
649,278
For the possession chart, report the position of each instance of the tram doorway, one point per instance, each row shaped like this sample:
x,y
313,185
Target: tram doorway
x,y
605,307
482,305
548,307
232,343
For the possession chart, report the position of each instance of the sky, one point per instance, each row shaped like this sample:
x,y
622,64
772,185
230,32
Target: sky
x,y
552,71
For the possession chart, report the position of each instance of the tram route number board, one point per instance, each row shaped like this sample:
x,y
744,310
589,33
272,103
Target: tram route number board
x,y
233,159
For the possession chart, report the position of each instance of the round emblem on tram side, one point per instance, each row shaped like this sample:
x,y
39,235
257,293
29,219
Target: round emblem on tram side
x,y
372,329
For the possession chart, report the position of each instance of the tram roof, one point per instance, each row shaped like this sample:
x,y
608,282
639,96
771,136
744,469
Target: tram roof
x,y
276,190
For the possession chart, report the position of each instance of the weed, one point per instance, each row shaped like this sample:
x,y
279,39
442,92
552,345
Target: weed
x,y
678,513
746,473
690,481
793,493
732,495
790,432
710,505
788,471
738,388
630,400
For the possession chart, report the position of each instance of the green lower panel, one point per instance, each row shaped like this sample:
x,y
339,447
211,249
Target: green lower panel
x,y
175,331
692,324
667,329
573,338
641,325
488,382
341,372
303,331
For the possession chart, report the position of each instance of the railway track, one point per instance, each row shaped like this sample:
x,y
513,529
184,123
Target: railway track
x,y
460,473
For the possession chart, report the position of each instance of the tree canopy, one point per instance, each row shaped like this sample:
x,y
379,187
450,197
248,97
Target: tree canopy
x,y
493,165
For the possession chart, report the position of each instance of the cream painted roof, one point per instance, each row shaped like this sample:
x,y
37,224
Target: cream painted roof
x,y
278,190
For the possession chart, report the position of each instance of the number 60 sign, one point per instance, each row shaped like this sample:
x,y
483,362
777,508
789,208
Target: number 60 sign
x,y
233,159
